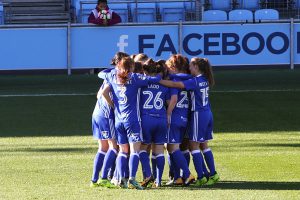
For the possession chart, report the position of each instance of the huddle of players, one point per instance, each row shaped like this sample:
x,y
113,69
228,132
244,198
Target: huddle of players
x,y
145,105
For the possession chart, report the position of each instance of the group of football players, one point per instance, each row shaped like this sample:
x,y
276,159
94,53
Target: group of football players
x,y
144,107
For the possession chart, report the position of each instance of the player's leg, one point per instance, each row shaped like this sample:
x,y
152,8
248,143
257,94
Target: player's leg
x,y
145,162
176,156
112,146
109,161
144,155
204,165
133,165
207,152
158,140
122,158
133,130
196,136
158,149
98,161
122,163
184,148
111,155
153,163
209,159
102,149
198,162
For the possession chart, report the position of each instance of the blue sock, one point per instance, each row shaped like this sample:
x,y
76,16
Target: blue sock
x,y
109,159
145,162
160,163
122,163
175,169
209,159
198,163
153,164
205,171
171,166
98,162
133,164
127,168
112,169
116,171
187,156
180,163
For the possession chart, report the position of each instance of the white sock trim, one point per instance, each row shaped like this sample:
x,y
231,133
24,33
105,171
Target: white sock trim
x,y
160,155
206,150
195,151
186,151
122,154
153,156
143,151
102,152
135,154
114,150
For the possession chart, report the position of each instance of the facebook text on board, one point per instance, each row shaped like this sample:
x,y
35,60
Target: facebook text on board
x,y
221,40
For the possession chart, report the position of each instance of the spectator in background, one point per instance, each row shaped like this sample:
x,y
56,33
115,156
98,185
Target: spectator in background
x,y
102,15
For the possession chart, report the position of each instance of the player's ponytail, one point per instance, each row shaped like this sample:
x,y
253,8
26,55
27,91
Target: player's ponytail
x,y
162,68
149,66
118,57
177,62
124,68
204,66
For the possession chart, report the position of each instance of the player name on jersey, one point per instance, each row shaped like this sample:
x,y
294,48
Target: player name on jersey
x,y
154,86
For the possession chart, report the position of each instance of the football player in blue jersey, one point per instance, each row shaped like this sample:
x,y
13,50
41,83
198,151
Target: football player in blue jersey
x,y
154,123
104,132
125,86
201,130
177,115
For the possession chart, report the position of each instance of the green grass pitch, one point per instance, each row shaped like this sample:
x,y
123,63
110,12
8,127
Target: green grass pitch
x,y
46,148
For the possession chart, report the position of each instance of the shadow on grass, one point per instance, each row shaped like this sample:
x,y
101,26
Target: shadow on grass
x,y
245,185
294,145
56,150
254,145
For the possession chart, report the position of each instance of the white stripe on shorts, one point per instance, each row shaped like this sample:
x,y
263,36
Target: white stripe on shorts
x,y
112,128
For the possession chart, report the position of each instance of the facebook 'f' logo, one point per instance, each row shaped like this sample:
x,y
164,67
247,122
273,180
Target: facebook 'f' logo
x,y
122,44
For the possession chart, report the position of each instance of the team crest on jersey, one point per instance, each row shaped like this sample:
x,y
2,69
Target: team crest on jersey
x,y
184,119
141,77
134,136
104,134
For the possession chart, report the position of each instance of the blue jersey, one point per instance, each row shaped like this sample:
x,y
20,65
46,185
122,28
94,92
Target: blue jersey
x,y
102,108
199,87
126,97
182,107
153,100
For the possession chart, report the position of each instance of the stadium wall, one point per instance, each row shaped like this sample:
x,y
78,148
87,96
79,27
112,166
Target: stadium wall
x,y
76,46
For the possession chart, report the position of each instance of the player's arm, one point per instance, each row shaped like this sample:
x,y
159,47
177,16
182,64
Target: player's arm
x,y
172,84
105,93
171,105
99,94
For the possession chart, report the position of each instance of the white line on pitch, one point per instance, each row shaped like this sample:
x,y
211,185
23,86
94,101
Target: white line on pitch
x,y
87,94
46,95
245,91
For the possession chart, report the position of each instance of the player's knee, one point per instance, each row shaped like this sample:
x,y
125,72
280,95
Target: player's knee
x,y
203,146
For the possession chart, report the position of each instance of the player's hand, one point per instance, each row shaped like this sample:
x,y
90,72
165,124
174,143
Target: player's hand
x,y
169,120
